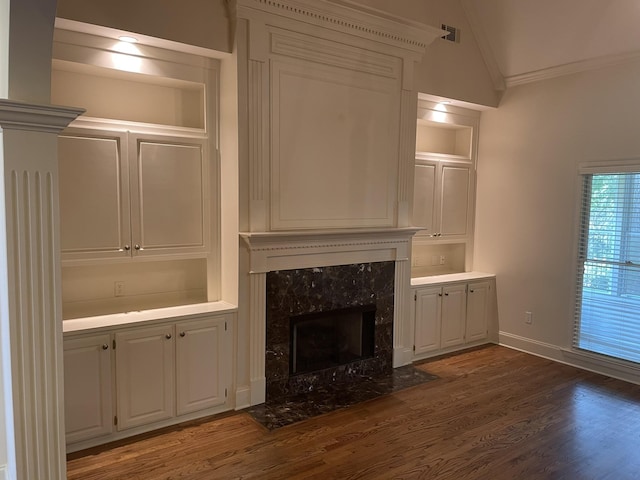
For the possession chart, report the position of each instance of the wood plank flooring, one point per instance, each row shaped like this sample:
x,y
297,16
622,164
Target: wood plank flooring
x,y
494,413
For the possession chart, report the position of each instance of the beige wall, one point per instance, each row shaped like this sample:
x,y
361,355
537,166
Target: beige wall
x,y
202,23
452,70
527,185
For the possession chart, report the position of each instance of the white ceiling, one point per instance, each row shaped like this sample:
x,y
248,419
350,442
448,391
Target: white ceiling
x,y
525,39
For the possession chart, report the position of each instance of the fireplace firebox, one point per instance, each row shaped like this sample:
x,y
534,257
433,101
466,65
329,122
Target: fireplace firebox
x,y
330,339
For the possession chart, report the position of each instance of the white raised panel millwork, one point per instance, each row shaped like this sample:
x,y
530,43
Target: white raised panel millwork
x,y
428,312
169,184
454,311
334,138
87,387
425,200
145,373
478,298
94,194
201,364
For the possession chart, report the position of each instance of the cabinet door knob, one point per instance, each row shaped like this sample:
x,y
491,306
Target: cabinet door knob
x,y
447,294
470,291
127,248
182,334
168,336
137,247
105,346
439,294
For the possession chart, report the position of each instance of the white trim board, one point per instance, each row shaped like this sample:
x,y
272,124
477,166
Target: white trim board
x,y
574,358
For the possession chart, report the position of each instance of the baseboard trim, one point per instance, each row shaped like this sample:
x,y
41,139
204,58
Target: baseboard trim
x,y
590,362
243,397
4,472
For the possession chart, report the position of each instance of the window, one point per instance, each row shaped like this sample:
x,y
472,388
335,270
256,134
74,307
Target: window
x,y
608,300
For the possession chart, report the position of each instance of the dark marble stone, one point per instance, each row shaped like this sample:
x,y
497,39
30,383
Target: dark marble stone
x,y
325,398
297,292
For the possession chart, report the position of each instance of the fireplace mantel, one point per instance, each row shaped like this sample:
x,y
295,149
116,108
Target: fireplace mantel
x,y
271,251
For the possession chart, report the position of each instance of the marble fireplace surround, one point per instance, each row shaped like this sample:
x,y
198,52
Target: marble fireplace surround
x,y
279,251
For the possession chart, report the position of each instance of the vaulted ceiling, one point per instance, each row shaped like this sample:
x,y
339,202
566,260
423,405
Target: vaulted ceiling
x,y
523,40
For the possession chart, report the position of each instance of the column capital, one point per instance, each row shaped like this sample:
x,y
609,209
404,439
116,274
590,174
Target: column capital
x,y
16,115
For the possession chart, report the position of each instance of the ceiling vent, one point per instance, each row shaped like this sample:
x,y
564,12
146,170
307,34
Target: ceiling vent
x,y
454,33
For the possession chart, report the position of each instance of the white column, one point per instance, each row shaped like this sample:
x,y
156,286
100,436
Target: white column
x,y
31,301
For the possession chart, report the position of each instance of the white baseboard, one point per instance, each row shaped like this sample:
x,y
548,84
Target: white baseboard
x,y
586,361
258,391
243,397
4,472
402,356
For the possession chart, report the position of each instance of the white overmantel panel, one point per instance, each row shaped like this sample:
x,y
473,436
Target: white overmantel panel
x,y
331,114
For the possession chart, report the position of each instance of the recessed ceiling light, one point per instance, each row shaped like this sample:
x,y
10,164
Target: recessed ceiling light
x,y
128,39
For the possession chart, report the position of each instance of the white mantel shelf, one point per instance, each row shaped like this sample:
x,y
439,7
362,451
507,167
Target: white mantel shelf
x,y
285,250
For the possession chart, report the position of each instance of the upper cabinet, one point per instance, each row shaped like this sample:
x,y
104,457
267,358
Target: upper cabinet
x,y
139,175
127,195
137,169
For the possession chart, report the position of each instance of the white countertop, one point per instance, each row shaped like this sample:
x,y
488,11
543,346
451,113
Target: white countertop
x,y
449,278
128,318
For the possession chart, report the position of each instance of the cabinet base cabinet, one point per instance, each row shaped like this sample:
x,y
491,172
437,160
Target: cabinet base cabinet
x,y
87,386
144,376
156,376
450,317
201,353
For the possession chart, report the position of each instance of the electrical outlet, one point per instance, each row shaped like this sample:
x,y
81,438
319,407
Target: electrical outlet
x,y
528,318
443,259
118,289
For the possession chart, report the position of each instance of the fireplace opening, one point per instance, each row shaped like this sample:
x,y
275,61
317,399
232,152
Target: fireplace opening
x,y
329,339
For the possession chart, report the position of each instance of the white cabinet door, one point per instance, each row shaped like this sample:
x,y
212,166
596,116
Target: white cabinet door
x,y
427,319
169,194
453,315
145,376
424,198
87,387
201,364
455,183
94,194
442,198
477,311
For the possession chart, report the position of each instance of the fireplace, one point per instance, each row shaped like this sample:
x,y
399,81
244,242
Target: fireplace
x,y
331,339
340,316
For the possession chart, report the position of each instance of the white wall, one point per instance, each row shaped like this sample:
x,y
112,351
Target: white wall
x,y
529,152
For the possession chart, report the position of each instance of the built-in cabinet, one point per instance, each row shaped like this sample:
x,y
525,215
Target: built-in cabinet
x,y
444,189
142,376
450,316
125,194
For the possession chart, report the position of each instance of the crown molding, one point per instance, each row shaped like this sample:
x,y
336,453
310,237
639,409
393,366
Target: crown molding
x,y
16,115
571,68
349,17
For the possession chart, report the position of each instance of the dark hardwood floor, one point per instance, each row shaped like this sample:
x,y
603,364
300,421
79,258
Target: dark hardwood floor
x,y
494,413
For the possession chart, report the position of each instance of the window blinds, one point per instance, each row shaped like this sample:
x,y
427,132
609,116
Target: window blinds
x,y
608,277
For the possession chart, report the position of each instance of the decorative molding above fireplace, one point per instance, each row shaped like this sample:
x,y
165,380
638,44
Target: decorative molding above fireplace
x,y
271,251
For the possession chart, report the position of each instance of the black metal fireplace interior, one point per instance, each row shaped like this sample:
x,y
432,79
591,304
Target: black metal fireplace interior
x,y
330,339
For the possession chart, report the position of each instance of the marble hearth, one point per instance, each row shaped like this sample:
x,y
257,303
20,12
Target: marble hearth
x,y
294,273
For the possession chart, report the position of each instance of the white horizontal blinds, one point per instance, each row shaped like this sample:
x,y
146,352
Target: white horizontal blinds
x,y
608,303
